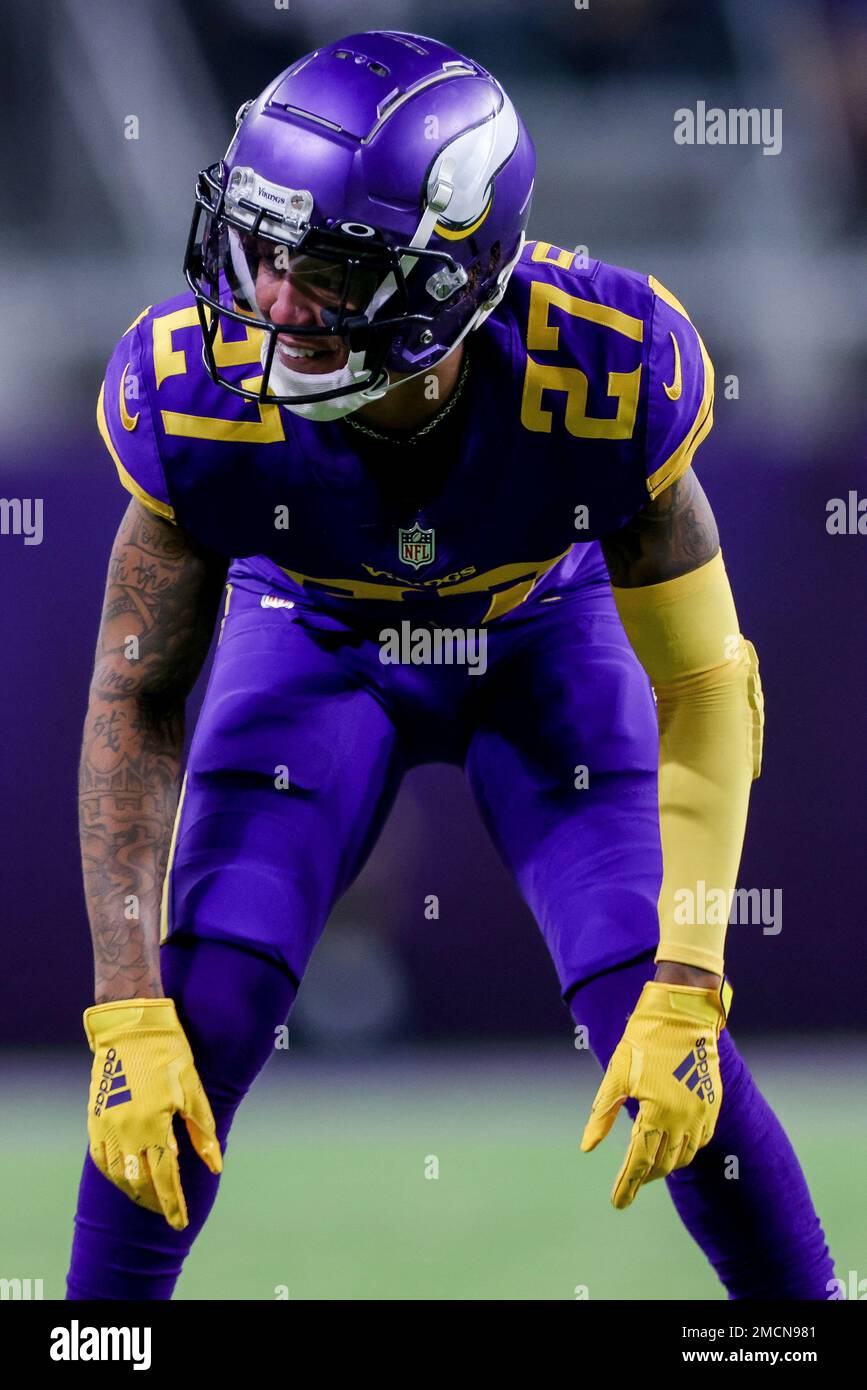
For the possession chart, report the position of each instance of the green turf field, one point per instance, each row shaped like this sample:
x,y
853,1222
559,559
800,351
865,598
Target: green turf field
x,y
325,1192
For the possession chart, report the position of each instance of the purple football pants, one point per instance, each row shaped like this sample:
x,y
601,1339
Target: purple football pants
x,y
298,753
305,735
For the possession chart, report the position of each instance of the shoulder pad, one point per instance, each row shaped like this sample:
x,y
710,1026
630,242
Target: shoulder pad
x,y
680,390
677,378
125,420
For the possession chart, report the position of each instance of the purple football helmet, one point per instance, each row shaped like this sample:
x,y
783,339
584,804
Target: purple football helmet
x,y
388,178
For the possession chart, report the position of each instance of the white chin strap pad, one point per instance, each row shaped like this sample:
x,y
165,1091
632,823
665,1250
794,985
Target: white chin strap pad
x,y
286,382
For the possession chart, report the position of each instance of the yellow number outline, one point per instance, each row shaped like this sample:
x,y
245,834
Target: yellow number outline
x,y
171,361
544,336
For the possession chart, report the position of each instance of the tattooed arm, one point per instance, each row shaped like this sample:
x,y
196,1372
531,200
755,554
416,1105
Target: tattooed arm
x,y
160,605
674,534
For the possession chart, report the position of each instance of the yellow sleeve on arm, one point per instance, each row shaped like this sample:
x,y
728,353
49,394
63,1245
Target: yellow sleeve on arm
x,y
711,715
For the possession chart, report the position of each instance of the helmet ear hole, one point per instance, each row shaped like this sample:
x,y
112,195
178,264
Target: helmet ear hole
x,y
358,229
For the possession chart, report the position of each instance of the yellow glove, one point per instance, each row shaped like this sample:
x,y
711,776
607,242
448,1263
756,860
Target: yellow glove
x,y
144,1073
668,1060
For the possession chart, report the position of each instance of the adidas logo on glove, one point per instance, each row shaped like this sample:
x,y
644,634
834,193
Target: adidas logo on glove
x,y
699,1078
113,1088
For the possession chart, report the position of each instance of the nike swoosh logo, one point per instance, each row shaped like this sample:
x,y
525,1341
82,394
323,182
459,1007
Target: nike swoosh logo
x,y
673,391
128,421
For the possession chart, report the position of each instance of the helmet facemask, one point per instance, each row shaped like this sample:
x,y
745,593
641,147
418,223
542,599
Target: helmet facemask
x,y
243,249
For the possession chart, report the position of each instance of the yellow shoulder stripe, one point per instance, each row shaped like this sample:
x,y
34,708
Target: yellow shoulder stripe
x,y
137,320
153,504
670,299
677,462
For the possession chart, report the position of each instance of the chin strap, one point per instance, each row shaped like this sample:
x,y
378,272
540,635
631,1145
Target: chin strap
x,y
442,196
484,311
439,201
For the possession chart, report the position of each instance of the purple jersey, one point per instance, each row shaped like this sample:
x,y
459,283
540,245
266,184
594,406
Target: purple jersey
x,y
588,392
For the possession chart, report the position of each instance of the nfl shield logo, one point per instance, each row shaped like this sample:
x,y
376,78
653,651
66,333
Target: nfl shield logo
x,y
415,545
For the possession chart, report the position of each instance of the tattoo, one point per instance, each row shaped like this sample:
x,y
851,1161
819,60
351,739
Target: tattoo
x,y
158,616
162,593
672,535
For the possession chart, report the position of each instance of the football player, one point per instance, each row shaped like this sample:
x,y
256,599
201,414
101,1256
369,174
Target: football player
x,y
376,402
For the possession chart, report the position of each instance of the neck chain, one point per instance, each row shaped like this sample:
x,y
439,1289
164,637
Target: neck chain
x,y
413,436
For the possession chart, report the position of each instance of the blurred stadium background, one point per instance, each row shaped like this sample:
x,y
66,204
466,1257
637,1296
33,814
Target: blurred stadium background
x,y
414,1037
